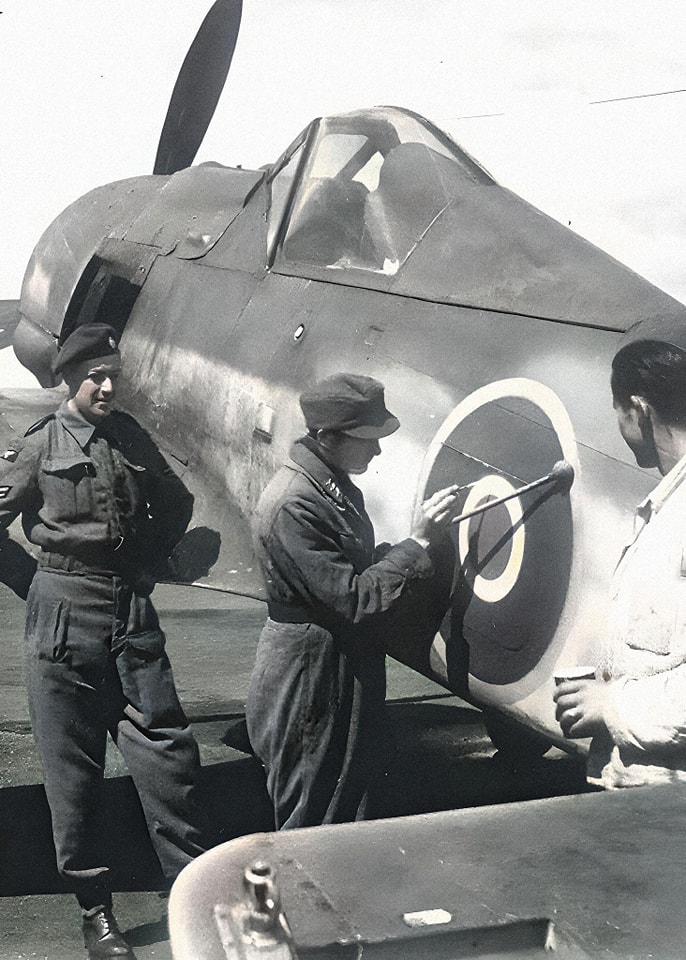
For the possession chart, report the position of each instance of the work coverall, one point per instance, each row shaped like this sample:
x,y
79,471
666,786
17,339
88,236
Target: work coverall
x,y
645,659
316,699
104,510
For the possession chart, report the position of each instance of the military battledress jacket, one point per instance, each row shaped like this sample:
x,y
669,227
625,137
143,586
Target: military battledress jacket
x,y
105,511
317,692
94,499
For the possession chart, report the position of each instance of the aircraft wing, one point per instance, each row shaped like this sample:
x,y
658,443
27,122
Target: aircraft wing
x,y
597,875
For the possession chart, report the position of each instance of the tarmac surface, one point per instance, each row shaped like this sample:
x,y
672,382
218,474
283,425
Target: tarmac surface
x,y
440,759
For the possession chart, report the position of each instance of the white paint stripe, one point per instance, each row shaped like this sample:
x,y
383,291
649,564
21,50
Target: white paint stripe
x,y
491,591
493,485
544,398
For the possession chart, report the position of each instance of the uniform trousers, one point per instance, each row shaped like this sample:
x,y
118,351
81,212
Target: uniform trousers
x,y
316,720
96,662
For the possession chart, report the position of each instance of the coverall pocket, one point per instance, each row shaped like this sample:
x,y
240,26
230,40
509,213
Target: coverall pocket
x,y
147,682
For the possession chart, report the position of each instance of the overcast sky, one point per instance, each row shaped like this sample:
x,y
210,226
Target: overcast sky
x,y
85,88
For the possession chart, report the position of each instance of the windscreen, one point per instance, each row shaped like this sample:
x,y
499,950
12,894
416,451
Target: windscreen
x,y
370,190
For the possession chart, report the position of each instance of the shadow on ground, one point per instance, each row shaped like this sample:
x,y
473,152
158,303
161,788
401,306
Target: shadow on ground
x,y
438,758
442,759
232,793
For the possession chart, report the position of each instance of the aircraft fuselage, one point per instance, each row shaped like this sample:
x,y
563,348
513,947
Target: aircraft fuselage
x,y
492,327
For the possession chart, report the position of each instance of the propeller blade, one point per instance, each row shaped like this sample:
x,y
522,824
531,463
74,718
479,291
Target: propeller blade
x,y
9,318
198,87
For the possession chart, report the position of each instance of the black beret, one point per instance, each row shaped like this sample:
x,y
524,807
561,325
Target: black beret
x,y
87,342
348,403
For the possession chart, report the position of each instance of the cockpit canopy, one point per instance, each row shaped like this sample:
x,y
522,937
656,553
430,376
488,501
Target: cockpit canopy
x,y
370,185
382,199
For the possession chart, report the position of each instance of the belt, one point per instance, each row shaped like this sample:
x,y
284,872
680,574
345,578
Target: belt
x,y
292,613
65,564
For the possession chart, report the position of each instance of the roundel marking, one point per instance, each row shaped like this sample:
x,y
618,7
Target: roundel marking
x,y
513,561
491,589
540,395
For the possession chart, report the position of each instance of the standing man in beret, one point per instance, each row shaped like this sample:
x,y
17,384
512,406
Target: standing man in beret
x,y
635,709
316,699
104,510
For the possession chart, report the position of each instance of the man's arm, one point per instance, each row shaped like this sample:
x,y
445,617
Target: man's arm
x,y
18,489
17,566
314,563
647,713
169,502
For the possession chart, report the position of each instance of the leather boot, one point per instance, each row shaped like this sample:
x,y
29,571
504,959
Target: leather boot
x,y
103,938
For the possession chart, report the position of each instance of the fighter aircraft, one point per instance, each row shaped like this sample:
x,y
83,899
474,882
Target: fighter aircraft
x,y
374,243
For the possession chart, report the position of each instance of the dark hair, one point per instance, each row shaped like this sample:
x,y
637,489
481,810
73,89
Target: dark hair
x,y
656,371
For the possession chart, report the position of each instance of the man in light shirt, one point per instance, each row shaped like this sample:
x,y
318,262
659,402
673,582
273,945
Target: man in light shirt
x,y
635,709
